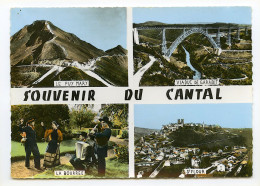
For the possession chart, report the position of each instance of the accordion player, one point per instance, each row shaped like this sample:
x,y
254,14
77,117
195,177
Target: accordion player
x,y
84,156
81,150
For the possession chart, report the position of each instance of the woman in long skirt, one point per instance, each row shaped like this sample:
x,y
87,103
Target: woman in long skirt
x,y
52,155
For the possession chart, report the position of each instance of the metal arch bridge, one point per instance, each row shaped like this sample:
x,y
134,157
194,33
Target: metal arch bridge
x,y
188,31
174,45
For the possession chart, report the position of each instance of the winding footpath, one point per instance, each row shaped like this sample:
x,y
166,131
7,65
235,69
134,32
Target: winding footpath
x,y
53,39
138,75
56,69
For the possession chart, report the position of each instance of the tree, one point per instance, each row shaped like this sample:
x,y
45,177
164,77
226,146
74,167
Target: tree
x,y
41,113
118,113
82,117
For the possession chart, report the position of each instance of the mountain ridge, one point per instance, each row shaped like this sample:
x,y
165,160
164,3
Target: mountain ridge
x,y
118,50
44,41
40,50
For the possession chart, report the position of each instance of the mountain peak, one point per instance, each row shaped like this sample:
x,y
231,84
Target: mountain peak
x,y
118,50
44,41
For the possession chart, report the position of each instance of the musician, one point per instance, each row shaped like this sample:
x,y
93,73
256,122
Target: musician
x,y
30,143
89,159
102,137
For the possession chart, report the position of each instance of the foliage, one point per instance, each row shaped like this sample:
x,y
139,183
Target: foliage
x,y
118,114
111,144
114,133
205,162
247,170
41,113
219,174
25,76
122,154
125,134
207,140
82,117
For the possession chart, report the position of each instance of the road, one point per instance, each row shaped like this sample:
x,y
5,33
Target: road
x,y
86,68
55,68
157,170
237,79
236,50
227,64
97,77
138,75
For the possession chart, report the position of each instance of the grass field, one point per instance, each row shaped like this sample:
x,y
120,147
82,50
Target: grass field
x,y
114,169
18,150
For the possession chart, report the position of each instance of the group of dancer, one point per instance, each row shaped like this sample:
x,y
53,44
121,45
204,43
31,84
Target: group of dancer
x,y
52,154
100,136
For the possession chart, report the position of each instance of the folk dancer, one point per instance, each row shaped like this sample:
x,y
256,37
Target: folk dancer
x,y
52,154
30,144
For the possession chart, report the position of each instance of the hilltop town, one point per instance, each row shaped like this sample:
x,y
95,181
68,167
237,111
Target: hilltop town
x,y
182,150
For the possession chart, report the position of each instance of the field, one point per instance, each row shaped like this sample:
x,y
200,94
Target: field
x,y
17,149
114,169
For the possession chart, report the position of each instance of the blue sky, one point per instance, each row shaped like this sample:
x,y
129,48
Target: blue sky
x,y
226,115
104,28
240,15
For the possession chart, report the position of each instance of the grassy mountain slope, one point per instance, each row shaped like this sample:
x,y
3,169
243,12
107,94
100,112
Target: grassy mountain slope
x,y
118,50
42,40
139,132
114,69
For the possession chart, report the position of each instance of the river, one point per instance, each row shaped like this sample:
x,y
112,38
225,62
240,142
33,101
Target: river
x,y
197,73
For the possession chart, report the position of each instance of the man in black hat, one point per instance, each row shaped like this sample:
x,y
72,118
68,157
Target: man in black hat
x,y
30,144
102,137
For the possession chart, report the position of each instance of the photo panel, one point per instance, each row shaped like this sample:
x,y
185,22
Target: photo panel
x,y
68,47
192,46
69,141
193,141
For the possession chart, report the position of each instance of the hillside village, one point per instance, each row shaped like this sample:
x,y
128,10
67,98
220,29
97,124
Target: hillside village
x,y
156,154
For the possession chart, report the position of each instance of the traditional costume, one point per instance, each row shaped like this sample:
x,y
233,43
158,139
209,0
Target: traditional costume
x,y
52,155
101,147
30,144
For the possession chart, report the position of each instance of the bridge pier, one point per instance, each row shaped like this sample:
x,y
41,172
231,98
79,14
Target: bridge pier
x,y
207,32
246,30
238,33
218,51
218,38
164,47
136,37
228,42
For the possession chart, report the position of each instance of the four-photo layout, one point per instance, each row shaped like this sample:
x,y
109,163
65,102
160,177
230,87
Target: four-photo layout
x,y
87,47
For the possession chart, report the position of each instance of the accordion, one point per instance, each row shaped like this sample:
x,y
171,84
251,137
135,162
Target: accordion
x,y
81,149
